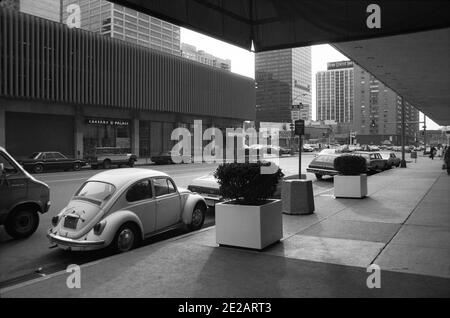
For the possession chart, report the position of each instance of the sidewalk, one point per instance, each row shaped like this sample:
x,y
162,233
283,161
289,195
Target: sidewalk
x,y
403,226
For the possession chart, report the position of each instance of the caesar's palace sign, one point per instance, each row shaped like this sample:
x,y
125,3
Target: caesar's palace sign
x,y
110,122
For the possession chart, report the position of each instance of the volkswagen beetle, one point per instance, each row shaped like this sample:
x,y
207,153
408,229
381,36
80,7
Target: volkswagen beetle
x,y
121,207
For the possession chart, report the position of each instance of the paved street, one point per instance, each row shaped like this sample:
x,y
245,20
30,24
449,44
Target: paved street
x,y
402,226
20,259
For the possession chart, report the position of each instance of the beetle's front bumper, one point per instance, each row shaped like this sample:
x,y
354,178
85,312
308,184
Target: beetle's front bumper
x,y
72,244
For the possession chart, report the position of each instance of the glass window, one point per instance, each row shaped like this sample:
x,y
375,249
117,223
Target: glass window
x,y
49,155
163,186
99,191
171,186
58,155
7,165
139,191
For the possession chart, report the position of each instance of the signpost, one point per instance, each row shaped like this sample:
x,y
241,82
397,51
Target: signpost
x,y
300,131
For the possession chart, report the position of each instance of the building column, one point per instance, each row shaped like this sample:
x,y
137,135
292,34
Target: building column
x,y
135,136
79,125
2,127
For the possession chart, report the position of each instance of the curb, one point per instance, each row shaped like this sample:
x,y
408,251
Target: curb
x,y
62,272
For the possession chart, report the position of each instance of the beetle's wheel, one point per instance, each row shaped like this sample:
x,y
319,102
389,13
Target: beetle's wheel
x,y
198,217
126,238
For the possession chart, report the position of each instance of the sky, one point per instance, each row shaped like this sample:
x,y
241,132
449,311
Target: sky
x,y
243,61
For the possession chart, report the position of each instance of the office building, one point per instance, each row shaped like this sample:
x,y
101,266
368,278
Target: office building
x,y
334,92
283,79
358,102
47,9
378,112
190,52
75,90
119,22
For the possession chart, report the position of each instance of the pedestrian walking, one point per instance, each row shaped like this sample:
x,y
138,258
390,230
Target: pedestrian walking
x,y
447,159
432,152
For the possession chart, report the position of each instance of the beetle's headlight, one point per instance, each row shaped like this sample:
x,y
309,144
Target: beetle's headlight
x,y
55,220
99,227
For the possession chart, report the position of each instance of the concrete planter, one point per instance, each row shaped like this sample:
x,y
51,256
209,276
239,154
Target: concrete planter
x,y
350,186
249,226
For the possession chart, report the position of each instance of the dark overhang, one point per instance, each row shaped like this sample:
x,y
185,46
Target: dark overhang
x,y
277,24
414,64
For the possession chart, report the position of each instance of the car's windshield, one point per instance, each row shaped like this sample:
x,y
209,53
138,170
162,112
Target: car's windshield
x,y
95,190
34,155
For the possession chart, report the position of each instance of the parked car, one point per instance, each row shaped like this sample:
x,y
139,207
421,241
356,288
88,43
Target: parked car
x,y
22,198
307,148
106,157
120,208
391,158
328,151
271,149
208,187
374,160
39,162
166,157
323,165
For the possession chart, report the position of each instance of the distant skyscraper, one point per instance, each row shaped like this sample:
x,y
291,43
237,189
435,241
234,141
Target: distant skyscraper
x,y
349,95
119,22
283,78
334,92
47,9
378,111
190,52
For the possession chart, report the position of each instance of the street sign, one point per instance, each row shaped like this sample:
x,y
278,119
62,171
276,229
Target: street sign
x,y
300,127
295,115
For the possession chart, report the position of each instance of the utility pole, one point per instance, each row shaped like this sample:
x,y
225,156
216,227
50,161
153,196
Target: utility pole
x,y
424,133
403,162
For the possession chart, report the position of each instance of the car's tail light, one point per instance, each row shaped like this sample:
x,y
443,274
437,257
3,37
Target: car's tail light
x,y
55,220
99,227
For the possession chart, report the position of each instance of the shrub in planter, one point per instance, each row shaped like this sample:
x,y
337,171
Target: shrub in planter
x,y
244,183
352,179
250,219
350,165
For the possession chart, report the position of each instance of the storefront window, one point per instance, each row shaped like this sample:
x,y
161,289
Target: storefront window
x,y
100,132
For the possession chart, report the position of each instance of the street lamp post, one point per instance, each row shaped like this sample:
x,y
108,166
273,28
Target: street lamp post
x,y
403,162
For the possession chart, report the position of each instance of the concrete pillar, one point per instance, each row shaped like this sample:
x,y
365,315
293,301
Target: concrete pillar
x,y
135,136
297,196
2,127
79,125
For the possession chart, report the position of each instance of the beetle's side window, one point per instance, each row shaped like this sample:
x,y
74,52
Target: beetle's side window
x,y
161,187
171,186
139,191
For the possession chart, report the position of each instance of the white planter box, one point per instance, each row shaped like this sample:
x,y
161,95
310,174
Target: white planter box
x,y
249,226
350,186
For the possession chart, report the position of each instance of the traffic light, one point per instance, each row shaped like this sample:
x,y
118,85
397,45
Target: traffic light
x,y
292,126
372,124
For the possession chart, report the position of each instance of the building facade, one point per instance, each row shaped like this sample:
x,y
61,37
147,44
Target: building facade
x,y
358,102
283,79
47,9
119,22
190,52
71,90
334,92
378,112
